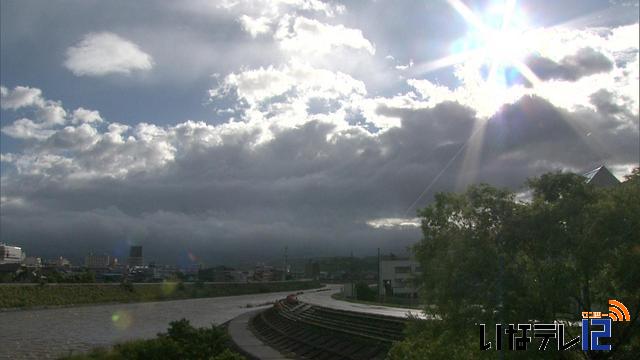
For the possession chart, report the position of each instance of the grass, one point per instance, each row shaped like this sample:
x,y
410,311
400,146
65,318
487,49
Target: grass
x,y
28,296
341,297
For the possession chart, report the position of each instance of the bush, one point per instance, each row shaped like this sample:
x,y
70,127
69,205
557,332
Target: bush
x,y
126,285
181,341
364,292
228,355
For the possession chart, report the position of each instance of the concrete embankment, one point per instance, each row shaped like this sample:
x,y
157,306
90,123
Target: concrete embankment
x,y
299,330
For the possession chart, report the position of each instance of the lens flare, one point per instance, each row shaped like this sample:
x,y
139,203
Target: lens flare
x,y
121,319
191,256
169,287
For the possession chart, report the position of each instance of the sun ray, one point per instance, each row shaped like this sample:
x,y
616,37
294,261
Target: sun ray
x,y
444,62
501,48
472,155
509,9
468,15
527,73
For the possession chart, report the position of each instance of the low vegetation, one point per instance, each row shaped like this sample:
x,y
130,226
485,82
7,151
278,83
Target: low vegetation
x,y
181,341
26,296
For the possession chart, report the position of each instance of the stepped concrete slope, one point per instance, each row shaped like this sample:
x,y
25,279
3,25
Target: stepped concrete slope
x,y
303,330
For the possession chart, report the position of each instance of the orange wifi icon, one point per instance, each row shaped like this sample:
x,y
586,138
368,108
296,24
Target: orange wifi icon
x,y
618,312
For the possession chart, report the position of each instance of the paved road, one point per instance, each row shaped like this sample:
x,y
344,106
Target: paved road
x,y
49,333
323,298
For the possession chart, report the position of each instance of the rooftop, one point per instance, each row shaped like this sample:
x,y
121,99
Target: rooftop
x,y
601,176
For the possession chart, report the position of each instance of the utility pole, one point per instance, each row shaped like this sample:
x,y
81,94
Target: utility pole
x,y
284,268
351,270
379,278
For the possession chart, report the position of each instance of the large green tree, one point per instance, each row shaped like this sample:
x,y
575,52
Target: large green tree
x,y
490,259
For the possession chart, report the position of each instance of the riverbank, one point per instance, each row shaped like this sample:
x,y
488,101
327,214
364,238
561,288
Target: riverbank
x,y
29,296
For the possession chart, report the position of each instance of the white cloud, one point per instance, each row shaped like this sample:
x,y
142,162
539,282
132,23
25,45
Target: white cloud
x,y
572,65
274,8
405,67
559,42
82,115
483,96
390,223
264,83
259,84
99,54
224,172
255,26
275,101
51,113
20,96
27,129
304,36
280,98
82,152
47,113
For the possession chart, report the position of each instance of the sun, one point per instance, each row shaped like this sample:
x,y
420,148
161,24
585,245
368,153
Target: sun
x,y
499,38
504,47
505,33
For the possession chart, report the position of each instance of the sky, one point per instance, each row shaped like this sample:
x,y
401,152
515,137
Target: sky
x,y
223,131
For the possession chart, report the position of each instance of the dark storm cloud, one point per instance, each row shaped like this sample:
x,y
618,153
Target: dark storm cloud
x,y
605,102
302,188
584,62
533,136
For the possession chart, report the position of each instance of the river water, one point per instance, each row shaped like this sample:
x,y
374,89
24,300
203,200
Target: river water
x,y
49,333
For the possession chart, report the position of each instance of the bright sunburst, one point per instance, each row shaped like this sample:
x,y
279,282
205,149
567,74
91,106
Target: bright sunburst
x,y
499,39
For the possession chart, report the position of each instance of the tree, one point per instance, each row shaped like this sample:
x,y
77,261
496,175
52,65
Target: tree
x,y
465,253
364,292
489,259
583,245
467,272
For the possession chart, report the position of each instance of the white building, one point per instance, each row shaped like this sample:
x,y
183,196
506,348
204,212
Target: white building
x,y
398,275
63,262
32,262
10,254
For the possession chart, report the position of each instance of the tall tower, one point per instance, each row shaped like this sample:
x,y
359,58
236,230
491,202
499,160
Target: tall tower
x,y
135,256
